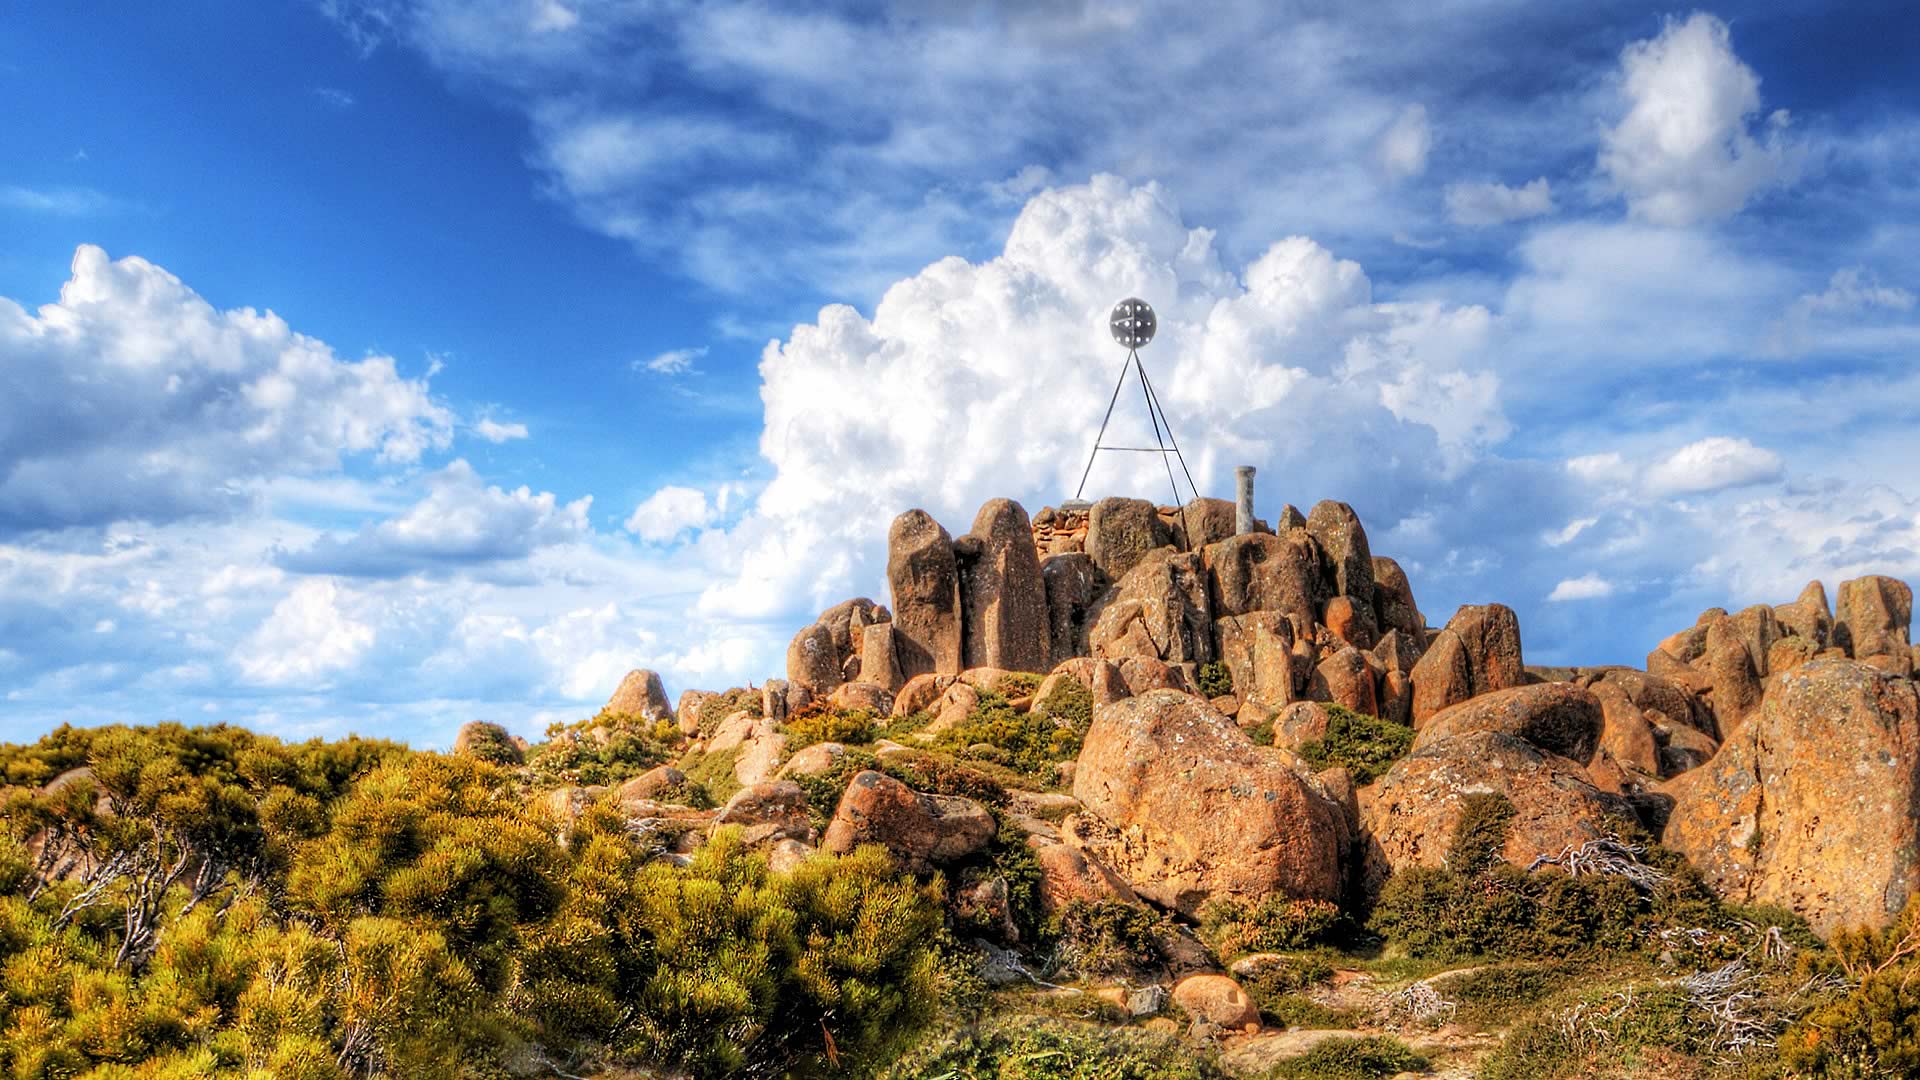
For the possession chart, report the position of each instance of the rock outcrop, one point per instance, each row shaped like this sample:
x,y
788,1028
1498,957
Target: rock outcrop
x,y
925,583
1557,717
1814,803
1005,618
1410,814
641,694
1120,532
1159,610
1191,809
1477,653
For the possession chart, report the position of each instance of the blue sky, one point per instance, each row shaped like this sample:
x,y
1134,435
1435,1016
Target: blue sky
x,y
377,365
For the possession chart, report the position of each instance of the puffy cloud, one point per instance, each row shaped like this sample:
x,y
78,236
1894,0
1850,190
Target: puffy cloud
x,y
1685,151
979,379
1589,586
306,639
670,511
462,522
1713,464
1404,145
132,397
59,202
496,432
1497,204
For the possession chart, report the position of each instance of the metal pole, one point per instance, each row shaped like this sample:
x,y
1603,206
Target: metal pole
x,y
1243,500
1118,383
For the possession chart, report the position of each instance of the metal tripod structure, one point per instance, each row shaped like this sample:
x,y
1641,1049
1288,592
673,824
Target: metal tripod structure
x,y
1133,324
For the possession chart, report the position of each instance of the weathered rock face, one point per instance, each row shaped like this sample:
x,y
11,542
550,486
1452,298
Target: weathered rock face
x,y
1477,653
814,760
847,622
1412,811
1337,529
767,812
813,664
1345,678
1809,616
1068,874
1202,522
1875,617
1300,723
1121,532
921,830
1158,610
921,692
1258,650
880,659
1814,804
1558,717
1072,587
1005,623
1197,811
864,697
641,694
1736,685
1625,734
1261,572
925,583
1393,605
688,711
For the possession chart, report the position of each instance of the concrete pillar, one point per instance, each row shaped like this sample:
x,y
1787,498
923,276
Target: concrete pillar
x,y
1243,500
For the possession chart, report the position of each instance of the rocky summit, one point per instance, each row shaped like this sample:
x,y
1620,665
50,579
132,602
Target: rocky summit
x,y
1116,784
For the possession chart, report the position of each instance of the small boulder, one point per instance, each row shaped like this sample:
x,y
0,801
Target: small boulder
x,y
1345,678
767,812
1217,999
1073,590
813,664
879,660
1477,653
641,694
815,760
1158,610
920,830
1874,618
650,785
1393,605
862,697
921,693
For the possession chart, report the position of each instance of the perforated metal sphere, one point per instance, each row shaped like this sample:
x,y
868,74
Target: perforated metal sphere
x,y
1133,322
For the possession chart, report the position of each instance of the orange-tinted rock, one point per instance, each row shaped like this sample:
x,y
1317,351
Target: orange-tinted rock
x,y
650,785
767,812
1120,532
1345,678
1300,723
1159,610
925,580
1393,605
1478,652
1263,572
1073,591
1202,522
1199,811
1412,811
920,830
1068,874
813,664
1233,639
1351,624
1736,679
1561,718
1626,735
641,694
1216,999
815,760
921,692
1004,601
1814,804
1808,617
1337,529
880,659
863,697
1875,617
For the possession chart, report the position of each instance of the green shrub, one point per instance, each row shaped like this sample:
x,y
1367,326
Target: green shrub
x,y
1031,740
1494,994
1367,745
1232,927
713,771
1108,938
1480,833
1031,1048
715,710
1214,679
607,749
1277,975
1874,1028
1638,1022
1015,684
1296,1010
1352,1059
817,724
1068,704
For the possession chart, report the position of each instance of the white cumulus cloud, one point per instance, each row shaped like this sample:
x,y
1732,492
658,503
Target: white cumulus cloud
x,y
1686,150
496,432
307,639
1404,145
1712,464
1588,586
672,510
132,397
